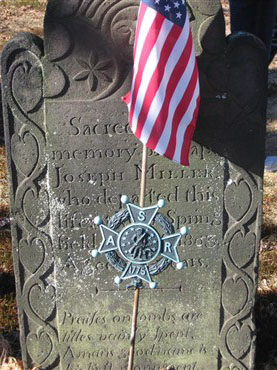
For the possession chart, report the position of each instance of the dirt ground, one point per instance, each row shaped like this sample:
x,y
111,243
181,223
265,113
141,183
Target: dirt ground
x,y
15,18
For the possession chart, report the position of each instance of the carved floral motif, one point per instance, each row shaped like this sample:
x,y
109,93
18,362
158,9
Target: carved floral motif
x,y
94,71
110,28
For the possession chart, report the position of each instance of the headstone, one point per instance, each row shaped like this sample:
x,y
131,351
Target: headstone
x,y
71,155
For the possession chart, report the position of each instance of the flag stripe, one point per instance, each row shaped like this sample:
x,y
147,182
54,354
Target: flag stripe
x,y
163,102
176,96
148,69
144,25
186,121
141,17
156,78
189,134
165,96
160,100
143,54
180,113
142,9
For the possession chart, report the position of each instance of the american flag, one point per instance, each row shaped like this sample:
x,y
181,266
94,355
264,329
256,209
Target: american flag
x,y
164,98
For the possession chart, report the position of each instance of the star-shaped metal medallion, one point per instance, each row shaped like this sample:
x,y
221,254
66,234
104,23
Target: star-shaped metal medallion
x,y
139,244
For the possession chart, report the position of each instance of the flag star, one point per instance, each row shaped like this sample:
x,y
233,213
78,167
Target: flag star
x,y
178,15
157,1
167,8
176,5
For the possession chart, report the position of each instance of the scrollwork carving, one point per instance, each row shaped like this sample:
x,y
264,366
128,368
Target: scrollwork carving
x,y
26,85
31,253
58,42
35,204
39,346
25,130
243,196
235,295
239,249
24,152
56,83
238,198
239,340
242,248
43,300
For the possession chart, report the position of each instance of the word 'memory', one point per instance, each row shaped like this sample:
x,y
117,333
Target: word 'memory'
x,y
125,154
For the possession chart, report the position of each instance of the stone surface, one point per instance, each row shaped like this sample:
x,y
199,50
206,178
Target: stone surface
x,y
71,156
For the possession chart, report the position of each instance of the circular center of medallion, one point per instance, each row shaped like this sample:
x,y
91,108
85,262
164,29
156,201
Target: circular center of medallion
x,y
139,243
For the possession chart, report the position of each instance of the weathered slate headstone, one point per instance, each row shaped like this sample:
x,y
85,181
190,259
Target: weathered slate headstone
x,y
71,156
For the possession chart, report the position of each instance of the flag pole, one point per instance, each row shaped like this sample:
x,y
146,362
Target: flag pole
x,y
136,295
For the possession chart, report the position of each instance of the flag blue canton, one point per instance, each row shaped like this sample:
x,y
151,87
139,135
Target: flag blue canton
x,y
173,10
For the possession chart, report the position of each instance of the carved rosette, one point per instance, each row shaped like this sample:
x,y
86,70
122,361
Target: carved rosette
x,y
23,95
96,39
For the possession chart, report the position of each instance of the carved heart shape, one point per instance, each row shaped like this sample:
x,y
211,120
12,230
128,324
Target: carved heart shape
x,y
24,152
235,295
239,340
242,248
36,207
237,199
27,86
39,347
43,301
31,254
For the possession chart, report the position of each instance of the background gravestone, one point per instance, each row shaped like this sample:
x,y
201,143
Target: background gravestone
x,y
71,156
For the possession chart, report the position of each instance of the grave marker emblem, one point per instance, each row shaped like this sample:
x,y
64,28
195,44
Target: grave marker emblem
x,y
140,244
